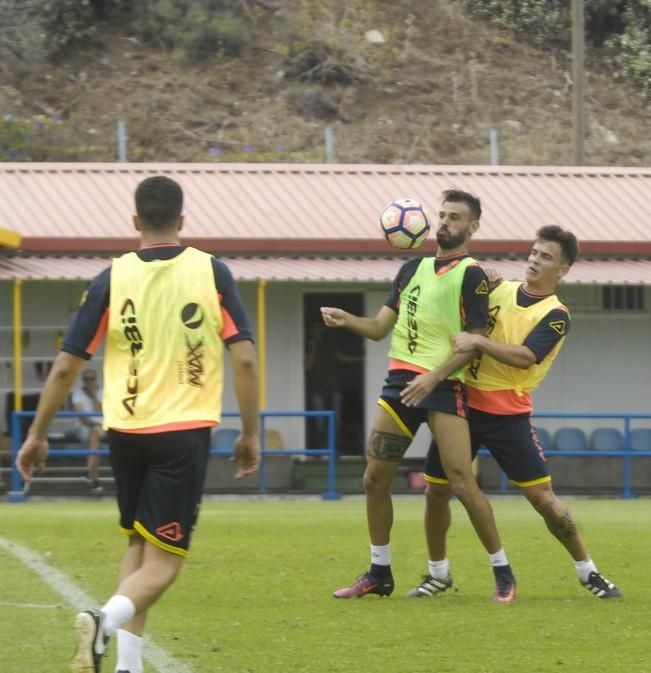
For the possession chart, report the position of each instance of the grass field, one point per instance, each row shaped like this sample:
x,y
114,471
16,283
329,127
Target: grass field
x,y
255,595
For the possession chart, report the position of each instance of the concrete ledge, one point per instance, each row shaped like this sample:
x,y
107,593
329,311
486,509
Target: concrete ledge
x,y
220,473
589,475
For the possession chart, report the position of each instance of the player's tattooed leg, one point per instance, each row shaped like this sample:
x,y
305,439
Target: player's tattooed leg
x,y
387,446
563,527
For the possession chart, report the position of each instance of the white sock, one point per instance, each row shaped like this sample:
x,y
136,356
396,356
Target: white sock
x,y
381,554
584,568
498,558
439,569
118,610
129,652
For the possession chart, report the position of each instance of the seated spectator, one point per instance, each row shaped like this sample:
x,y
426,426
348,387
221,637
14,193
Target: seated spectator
x,y
89,431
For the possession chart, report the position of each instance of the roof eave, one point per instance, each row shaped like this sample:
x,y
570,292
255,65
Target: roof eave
x,y
298,246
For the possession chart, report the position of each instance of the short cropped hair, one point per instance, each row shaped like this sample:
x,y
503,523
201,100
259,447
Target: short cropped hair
x,y
159,202
459,196
565,239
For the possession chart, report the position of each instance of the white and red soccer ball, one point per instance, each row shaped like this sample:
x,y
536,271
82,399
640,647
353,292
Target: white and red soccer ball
x,y
405,223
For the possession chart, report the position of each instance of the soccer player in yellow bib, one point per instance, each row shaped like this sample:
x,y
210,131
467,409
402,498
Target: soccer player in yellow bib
x,y
166,312
432,299
528,325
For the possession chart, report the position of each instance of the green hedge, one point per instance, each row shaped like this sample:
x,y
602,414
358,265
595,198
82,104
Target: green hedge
x,y
623,27
195,29
192,29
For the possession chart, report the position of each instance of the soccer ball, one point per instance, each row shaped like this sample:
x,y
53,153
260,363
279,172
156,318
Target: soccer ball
x,y
405,223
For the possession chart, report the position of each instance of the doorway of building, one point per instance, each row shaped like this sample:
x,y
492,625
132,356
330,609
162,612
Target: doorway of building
x,y
334,372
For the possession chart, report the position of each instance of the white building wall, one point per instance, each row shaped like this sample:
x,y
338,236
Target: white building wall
x,y
604,367
284,350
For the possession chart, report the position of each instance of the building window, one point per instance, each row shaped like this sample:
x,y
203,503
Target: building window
x,y
622,298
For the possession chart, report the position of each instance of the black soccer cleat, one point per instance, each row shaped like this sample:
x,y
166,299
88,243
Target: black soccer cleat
x,y
367,584
598,585
430,586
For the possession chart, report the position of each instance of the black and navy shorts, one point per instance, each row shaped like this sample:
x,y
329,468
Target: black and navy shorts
x,y
449,396
511,440
159,479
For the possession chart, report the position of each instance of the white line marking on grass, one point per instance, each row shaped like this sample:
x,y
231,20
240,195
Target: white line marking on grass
x,y
80,600
37,606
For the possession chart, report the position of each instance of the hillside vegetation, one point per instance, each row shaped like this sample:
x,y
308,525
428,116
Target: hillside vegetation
x,y
418,81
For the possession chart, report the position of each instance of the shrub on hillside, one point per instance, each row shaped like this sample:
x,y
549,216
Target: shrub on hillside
x,y
21,36
633,44
193,30
41,138
73,24
324,43
542,21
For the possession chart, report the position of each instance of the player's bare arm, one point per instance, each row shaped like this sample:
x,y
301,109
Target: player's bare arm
x,y
33,452
423,384
514,355
420,387
246,452
494,277
371,328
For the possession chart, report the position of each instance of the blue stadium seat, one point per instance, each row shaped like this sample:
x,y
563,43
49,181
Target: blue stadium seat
x,y
224,438
641,439
544,438
570,439
607,439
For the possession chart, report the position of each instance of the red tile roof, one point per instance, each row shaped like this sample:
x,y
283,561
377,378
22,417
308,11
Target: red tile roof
x,y
300,209
314,269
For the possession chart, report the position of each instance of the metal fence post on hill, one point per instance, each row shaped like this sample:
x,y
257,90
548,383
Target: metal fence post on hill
x,y
329,140
493,145
578,80
122,140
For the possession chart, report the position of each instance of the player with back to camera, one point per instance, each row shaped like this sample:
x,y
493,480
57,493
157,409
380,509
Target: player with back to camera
x,y
432,299
166,311
528,326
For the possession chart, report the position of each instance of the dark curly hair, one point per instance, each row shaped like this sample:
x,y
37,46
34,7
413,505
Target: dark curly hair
x,y
566,239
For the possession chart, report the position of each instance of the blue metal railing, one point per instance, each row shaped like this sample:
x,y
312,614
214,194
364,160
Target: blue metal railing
x,y
627,454
17,493
330,451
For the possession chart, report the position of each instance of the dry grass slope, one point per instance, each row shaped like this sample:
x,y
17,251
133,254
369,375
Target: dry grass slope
x,y
429,95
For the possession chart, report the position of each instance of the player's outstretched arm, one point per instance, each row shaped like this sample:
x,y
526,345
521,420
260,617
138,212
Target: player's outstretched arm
x,y
245,381
423,384
372,328
60,380
514,355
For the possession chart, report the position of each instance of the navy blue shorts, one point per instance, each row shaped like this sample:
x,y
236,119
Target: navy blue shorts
x,y
449,397
159,479
511,440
